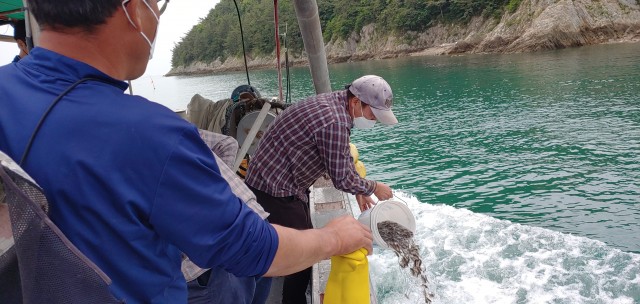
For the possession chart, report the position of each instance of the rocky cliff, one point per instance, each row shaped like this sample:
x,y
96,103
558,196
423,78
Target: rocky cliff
x,y
535,25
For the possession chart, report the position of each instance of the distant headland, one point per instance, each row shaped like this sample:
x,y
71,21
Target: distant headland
x,y
529,27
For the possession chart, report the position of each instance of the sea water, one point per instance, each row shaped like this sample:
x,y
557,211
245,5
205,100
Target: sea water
x,y
474,258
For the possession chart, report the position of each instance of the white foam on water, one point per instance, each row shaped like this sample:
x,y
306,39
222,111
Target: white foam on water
x,y
474,258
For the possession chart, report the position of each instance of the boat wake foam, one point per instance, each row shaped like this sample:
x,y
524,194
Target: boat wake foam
x,y
474,258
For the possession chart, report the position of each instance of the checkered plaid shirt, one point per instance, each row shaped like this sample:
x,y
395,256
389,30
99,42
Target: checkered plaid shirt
x,y
307,140
224,146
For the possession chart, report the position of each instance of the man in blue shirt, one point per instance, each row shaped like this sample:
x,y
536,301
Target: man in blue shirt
x,y
130,183
20,35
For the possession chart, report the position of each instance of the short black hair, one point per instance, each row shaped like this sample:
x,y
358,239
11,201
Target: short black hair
x,y
19,30
349,93
86,14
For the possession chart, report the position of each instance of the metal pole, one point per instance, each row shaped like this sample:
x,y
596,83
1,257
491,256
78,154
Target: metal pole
x,y
309,21
286,63
32,28
7,38
278,63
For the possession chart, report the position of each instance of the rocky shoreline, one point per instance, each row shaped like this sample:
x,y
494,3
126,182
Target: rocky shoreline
x,y
536,25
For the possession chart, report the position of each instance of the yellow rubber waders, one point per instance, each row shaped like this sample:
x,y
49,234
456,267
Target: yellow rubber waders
x,y
362,171
348,281
354,152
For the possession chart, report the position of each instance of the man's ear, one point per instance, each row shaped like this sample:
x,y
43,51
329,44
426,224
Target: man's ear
x,y
352,101
132,9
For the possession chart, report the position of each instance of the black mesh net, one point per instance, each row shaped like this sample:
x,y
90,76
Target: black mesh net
x,y
43,266
10,289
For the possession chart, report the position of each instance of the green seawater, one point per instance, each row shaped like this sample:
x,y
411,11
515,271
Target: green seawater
x,y
548,139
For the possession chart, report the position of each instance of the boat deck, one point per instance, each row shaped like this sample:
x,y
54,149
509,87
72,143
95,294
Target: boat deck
x,y
326,203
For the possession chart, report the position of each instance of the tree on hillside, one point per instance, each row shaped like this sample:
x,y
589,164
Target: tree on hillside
x,y
217,36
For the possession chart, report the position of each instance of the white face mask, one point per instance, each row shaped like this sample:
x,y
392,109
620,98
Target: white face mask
x,y
362,122
152,44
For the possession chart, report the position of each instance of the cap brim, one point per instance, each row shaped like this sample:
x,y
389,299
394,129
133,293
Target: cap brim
x,y
385,116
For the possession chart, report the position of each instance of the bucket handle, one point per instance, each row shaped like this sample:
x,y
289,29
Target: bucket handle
x,y
405,202
395,196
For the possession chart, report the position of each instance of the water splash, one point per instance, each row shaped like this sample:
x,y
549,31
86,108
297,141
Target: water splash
x,y
473,258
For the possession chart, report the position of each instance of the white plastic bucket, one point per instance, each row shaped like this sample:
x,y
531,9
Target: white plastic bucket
x,y
387,211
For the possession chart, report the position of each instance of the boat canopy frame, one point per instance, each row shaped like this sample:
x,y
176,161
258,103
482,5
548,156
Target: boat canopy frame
x,y
11,11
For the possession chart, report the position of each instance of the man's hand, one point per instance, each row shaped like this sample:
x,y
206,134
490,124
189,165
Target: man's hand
x,y
299,249
349,235
364,202
383,192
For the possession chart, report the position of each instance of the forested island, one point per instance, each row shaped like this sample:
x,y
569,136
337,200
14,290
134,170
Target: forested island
x,y
373,29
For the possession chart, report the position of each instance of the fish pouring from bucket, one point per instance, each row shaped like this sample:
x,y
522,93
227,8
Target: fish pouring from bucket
x,y
392,225
400,240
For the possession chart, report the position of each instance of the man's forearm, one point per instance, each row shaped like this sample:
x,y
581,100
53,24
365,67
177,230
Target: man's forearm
x,y
299,249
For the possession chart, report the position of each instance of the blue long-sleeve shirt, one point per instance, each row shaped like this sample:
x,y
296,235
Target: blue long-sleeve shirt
x,y
129,182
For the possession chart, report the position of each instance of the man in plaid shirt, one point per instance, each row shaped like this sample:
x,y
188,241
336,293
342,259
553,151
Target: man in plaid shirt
x,y
216,285
306,141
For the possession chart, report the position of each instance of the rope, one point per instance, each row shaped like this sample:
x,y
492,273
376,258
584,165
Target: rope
x,y
244,52
27,149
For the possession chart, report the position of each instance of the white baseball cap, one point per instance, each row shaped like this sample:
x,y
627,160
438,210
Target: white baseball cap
x,y
376,92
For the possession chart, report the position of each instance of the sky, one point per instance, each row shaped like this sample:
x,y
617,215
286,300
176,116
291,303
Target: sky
x,y
177,20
